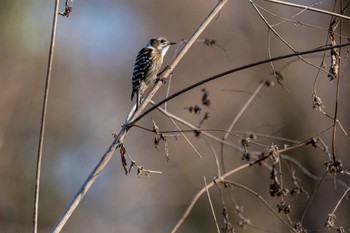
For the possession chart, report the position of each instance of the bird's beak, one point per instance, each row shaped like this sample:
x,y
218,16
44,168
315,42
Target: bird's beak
x,y
172,43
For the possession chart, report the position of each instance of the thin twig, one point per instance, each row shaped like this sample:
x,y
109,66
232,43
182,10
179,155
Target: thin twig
x,y
245,106
234,121
210,185
312,198
203,190
171,74
282,185
337,95
211,205
227,227
204,132
43,118
323,59
260,198
186,138
268,136
301,167
215,155
308,8
286,43
292,17
296,22
121,135
233,133
336,207
196,129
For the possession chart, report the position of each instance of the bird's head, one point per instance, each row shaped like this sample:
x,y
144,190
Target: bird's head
x,y
160,43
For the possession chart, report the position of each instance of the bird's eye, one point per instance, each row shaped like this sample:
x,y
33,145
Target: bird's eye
x,y
163,41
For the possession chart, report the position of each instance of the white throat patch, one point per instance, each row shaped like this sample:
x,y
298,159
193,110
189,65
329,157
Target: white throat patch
x,y
165,49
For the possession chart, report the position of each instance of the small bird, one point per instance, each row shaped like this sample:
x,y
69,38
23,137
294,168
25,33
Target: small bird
x,y
147,65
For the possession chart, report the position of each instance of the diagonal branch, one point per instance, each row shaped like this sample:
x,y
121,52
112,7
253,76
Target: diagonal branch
x,y
203,190
245,106
210,185
238,116
285,42
120,137
186,138
308,8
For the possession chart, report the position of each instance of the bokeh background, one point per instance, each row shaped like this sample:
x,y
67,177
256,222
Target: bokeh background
x,y
90,98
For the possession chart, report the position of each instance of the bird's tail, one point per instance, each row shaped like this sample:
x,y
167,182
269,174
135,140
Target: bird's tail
x,y
138,98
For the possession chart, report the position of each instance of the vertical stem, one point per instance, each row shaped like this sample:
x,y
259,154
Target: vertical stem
x,y
337,92
43,119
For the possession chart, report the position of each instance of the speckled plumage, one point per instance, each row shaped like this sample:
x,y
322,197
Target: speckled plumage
x,y
147,65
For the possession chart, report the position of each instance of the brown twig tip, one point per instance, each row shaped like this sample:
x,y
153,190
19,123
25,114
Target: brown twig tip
x,y
297,189
68,9
335,166
205,97
330,222
269,83
334,68
122,152
161,137
298,228
317,103
284,207
209,42
155,127
194,109
141,170
280,78
274,154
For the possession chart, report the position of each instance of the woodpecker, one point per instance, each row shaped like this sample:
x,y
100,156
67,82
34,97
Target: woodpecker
x,y
147,65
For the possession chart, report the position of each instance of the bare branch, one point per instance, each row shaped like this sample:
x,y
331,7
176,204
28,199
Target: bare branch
x,y
287,44
202,191
186,138
215,155
259,197
211,205
308,8
340,200
245,106
43,118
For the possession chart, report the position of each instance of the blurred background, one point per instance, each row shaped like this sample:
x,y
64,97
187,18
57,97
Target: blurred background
x,y
90,98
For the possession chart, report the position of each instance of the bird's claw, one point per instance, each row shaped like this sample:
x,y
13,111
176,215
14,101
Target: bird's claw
x,y
161,79
166,68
